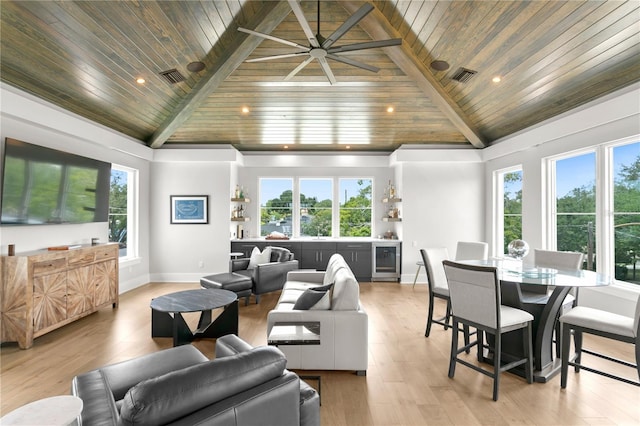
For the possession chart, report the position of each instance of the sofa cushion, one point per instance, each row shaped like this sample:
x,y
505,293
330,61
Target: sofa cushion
x,y
336,262
258,257
317,298
346,291
280,254
176,394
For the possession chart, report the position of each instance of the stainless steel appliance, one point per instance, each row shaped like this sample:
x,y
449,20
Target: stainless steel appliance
x,y
386,260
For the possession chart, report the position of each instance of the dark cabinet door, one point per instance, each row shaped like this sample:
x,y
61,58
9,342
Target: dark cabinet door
x,y
246,247
358,257
316,254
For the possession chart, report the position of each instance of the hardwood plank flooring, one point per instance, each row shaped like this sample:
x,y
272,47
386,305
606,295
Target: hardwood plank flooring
x,y
406,382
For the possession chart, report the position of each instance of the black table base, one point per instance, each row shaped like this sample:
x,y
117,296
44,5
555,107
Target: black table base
x,y
164,324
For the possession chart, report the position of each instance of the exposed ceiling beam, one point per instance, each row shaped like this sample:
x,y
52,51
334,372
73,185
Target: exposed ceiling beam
x,y
379,28
266,21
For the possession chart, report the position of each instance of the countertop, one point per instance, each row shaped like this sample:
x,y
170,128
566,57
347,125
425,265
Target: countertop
x,y
314,239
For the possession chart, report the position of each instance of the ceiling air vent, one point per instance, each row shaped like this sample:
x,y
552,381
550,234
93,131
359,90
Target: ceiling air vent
x,y
463,75
173,76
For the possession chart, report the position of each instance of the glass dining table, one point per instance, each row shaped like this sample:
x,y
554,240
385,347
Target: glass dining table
x,y
541,292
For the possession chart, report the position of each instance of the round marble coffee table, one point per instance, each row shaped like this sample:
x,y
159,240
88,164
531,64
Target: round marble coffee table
x,y
55,411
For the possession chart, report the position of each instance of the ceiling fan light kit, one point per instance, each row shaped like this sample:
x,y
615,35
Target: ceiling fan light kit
x,y
321,48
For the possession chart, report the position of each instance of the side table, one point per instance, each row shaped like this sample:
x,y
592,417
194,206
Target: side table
x,y
297,333
54,411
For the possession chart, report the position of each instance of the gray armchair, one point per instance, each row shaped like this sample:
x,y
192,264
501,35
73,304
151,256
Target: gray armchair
x,y
267,277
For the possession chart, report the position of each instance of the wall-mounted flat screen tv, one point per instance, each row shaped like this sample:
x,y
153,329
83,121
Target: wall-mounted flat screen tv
x,y
45,186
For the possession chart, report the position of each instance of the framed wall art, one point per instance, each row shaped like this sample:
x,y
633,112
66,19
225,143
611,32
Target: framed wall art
x,y
190,209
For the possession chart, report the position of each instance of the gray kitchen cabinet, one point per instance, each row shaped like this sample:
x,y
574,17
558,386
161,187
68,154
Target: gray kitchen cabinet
x,y
316,254
358,257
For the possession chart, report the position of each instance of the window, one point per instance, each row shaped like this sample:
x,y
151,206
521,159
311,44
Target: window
x,y
316,207
575,205
596,208
276,205
122,210
320,209
355,207
626,212
508,184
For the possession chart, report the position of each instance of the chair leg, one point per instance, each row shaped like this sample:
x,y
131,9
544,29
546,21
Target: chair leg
x,y
528,352
416,277
566,343
577,338
454,349
429,316
465,329
480,337
496,366
448,314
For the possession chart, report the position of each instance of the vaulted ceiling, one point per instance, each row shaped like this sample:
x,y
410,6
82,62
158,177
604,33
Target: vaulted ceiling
x,y
551,56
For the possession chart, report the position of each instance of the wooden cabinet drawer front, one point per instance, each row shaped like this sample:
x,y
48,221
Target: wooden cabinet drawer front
x,y
51,266
354,246
106,253
81,258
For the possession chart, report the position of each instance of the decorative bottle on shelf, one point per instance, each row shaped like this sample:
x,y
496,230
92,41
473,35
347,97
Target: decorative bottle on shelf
x,y
237,192
241,195
241,211
392,190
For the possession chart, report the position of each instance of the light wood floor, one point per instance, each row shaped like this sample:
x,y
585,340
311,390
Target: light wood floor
x,y
406,383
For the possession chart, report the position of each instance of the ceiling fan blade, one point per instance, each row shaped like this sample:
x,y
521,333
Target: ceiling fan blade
x,y
327,70
270,37
349,61
297,10
268,58
347,25
298,68
365,45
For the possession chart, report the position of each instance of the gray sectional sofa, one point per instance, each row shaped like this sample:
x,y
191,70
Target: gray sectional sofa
x,y
180,386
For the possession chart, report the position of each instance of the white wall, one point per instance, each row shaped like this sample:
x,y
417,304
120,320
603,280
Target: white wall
x,y
32,120
443,202
186,252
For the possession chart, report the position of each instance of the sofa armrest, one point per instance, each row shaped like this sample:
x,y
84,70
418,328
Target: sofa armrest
x,y
306,275
239,264
231,345
269,277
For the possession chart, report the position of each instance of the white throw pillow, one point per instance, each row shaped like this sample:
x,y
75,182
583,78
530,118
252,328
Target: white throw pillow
x,y
257,257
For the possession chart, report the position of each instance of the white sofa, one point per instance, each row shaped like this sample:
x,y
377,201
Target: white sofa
x,y
343,328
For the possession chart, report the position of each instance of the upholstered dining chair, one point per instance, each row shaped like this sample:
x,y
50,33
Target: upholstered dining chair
x,y
583,319
438,288
472,250
567,260
474,292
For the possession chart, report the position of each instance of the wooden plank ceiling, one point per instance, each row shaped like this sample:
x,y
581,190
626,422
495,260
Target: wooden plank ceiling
x,y
552,56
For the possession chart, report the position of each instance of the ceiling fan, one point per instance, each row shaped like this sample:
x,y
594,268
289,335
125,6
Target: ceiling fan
x,y
322,48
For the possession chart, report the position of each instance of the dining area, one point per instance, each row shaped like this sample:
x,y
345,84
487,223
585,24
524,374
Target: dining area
x,y
523,313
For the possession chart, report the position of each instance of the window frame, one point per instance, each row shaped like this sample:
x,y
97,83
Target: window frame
x,y
133,234
498,202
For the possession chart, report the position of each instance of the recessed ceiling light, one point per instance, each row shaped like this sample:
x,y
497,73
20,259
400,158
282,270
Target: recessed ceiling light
x,y
140,80
439,65
245,110
390,109
348,146
496,79
286,147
